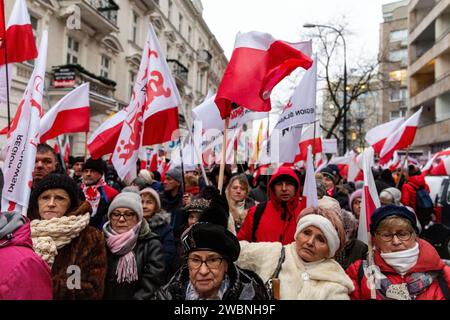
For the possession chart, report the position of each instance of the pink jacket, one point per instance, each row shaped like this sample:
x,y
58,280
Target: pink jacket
x,y
23,274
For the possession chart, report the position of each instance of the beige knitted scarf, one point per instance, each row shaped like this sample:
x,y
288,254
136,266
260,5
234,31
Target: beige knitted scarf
x,y
50,235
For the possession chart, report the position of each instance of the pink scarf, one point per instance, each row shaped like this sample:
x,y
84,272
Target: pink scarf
x,y
123,245
92,194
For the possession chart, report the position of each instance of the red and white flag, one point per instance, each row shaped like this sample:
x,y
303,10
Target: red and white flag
x,y
376,137
153,109
402,138
70,115
17,40
370,201
258,63
162,97
66,149
442,168
429,166
104,139
309,138
309,198
395,162
23,138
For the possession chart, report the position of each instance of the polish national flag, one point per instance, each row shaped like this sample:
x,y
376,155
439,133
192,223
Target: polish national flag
x,y
308,138
69,115
23,138
17,40
432,162
104,139
309,198
395,162
376,137
401,138
258,63
66,150
442,168
370,200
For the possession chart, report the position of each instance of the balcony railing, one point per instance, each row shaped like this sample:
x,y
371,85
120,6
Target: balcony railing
x,y
107,8
178,69
204,58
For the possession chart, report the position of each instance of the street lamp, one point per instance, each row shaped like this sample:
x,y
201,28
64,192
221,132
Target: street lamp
x,y
309,25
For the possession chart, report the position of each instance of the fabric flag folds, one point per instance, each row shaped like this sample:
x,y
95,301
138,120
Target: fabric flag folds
x,y
311,136
19,45
309,198
23,138
153,109
70,115
104,139
401,138
370,201
258,63
376,137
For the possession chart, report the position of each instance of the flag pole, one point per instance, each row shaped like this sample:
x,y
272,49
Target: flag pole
x,y
183,188
224,156
373,294
61,157
6,67
85,145
403,166
314,145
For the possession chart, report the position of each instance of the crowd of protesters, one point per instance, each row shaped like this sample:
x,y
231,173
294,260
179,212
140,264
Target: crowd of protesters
x,y
174,236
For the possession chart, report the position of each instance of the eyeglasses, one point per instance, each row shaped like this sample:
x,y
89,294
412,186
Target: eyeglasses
x,y
211,263
401,235
127,215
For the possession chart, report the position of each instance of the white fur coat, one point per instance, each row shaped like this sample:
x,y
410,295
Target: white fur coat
x,y
325,280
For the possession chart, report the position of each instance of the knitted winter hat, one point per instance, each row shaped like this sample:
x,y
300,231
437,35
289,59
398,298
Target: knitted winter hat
x,y
329,221
155,196
391,210
130,200
204,236
98,165
175,174
78,159
355,195
54,181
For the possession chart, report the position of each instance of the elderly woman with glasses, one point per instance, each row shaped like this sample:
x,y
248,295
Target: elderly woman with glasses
x,y
405,267
209,272
135,256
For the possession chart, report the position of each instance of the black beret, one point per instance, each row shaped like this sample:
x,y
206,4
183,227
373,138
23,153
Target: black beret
x,y
204,236
391,210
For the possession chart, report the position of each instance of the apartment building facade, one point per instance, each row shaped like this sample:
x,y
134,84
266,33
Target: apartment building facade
x,y
429,71
101,42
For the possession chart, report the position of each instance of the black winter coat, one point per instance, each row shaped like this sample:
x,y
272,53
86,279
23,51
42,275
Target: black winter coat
x,y
150,266
244,285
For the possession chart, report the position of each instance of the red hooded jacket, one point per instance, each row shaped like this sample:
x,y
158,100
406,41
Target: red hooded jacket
x,y
23,274
272,228
409,190
428,260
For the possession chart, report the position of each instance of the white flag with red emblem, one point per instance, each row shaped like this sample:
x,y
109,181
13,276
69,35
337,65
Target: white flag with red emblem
x,y
23,138
310,188
370,201
153,109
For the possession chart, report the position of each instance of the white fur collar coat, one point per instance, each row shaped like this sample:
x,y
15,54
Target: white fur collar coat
x,y
298,280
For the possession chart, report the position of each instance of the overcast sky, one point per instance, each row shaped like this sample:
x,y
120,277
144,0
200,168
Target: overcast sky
x,y
284,20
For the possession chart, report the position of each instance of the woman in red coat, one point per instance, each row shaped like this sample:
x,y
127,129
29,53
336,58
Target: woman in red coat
x,y
405,267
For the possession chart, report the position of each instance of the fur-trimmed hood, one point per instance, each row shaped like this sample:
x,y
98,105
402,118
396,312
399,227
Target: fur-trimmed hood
x,y
159,219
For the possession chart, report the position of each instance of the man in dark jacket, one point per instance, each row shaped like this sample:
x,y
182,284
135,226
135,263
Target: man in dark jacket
x,y
97,192
172,198
210,272
46,162
278,221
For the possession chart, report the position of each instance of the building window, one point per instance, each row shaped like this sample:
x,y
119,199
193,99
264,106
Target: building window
x,y
34,26
73,50
189,34
398,75
397,114
399,35
397,95
398,55
104,66
132,80
134,27
180,23
169,14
